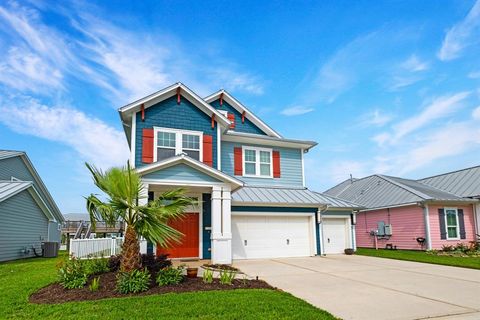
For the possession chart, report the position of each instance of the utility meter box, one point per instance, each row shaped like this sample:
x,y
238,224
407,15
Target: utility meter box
x,y
388,230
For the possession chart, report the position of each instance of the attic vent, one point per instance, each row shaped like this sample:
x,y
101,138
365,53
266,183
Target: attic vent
x,y
379,182
362,191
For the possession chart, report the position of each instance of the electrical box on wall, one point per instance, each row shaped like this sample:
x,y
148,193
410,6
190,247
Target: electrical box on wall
x,y
388,230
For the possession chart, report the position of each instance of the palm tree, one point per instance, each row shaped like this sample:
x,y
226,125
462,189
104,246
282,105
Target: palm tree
x,y
124,189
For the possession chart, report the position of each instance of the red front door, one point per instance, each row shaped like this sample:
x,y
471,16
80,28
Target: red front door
x,y
188,247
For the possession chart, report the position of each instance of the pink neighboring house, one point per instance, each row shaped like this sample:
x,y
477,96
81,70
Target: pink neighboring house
x,y
415,214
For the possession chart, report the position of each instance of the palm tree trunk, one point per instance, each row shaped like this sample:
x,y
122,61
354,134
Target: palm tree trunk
x,y
130,251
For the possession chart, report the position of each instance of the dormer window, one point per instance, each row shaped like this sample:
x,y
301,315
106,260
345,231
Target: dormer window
x,y
171,142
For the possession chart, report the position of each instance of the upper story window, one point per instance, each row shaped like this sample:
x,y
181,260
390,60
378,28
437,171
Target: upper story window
x,y
451,223
170,142
257,162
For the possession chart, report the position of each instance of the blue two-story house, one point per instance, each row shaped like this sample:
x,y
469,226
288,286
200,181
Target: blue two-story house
x,y
249,180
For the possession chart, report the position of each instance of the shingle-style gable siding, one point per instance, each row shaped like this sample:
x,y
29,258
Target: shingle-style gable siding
x,y
180,172
247,126
290,164
15,167
22,224
169,114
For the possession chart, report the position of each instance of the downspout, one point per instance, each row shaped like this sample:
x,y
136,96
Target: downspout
x,y
475,217
320,229
426,217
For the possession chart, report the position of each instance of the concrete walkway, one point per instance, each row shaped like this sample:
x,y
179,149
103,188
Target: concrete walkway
x,y
359,287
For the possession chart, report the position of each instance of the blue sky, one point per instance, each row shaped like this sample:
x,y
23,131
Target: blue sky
x,y
390,87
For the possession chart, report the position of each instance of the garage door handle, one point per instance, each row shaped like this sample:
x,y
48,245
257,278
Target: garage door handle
x,y
245,242
328,240
288,241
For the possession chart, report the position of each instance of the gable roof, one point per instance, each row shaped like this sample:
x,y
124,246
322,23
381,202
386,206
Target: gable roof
x,y
5,154
464,182
339,188
200,166
287,196
241,108
9,189
163,94
379,191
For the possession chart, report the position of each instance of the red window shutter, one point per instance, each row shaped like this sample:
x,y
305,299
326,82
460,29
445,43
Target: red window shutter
x,y
231,117
208,150
237,161
276,164
147,145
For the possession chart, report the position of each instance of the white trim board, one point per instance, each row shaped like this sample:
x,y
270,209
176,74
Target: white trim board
x,y
271,213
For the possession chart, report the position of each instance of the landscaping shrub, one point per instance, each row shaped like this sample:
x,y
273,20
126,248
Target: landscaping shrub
x,y
447,248
207,276
114,262
95,285
72,274
227,277
96,266
461,247
170,275
155,263
133,282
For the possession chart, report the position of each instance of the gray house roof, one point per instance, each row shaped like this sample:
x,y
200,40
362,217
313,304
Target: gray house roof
x,y
378,191
464,183
38,184
339,188
287,196
11,188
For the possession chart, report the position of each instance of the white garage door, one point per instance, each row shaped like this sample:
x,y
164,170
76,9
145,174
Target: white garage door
x,y
335,237
256,237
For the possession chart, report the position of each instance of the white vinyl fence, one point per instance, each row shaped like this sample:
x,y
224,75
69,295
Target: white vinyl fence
x,y
101,247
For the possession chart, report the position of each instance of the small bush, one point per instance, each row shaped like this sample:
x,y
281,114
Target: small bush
x,y
170,275
447,248
114,262
133,282
155,263
95,285
207,276
72,274
227,277
461,247
96,266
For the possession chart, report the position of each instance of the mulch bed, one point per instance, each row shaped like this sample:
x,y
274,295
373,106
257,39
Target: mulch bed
x,y
220,267
55,293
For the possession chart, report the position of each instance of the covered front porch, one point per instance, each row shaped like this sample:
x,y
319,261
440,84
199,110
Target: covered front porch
x,y
206,226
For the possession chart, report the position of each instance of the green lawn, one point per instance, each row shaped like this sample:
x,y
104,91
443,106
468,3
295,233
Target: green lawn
x,y
421,256
20,278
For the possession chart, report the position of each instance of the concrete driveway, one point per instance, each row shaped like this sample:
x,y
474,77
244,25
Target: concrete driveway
x,y
358,287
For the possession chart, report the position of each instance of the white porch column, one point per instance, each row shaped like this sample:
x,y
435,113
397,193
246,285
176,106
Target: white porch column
x,y
143,199
221,225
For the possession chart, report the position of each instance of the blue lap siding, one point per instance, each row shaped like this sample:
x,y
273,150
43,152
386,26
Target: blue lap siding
x,y
247,126
169,114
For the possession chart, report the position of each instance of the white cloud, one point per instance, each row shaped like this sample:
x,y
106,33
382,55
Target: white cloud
x,y
341,170
94,140
414,64
438,108
476,113
381,138
474,75
463,34
296,110
375,118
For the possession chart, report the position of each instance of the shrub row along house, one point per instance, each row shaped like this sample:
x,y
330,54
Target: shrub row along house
x,y
29,215
420,214
249,180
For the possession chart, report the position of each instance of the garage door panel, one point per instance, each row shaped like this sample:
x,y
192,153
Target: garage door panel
x,y
335,235
266,236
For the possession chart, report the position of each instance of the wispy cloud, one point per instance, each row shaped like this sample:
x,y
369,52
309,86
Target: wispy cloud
x,y
476,113
375,118
296,110
414,64
94,140
474,74
462,35
440,107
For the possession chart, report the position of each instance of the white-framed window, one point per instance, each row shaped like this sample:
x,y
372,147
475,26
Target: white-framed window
x,y
170,142
451,224
257,162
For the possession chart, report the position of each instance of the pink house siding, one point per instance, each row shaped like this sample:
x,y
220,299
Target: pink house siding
x,y
437,243
407,224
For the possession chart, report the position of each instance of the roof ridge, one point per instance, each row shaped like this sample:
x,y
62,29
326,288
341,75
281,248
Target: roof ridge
x,y
336,198
407,188
444,174
346,187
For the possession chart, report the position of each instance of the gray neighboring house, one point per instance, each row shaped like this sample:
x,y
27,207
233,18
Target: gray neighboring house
x,y
28,212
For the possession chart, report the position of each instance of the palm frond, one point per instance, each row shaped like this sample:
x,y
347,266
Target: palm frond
x,y
100,211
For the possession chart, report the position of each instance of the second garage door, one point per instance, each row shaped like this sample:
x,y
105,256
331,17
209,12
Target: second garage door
x,y
335,235
256,237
